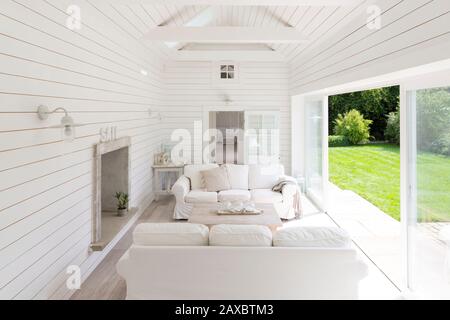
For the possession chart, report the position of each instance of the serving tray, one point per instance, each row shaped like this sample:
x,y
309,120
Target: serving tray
x,y
238,213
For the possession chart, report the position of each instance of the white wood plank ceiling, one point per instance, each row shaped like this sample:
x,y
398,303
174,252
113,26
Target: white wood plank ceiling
x,y
314,21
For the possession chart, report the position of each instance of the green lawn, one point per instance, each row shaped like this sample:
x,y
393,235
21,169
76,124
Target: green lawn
x,y
373,171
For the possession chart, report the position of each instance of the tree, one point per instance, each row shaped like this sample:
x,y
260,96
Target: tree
x,y
372,104
433,120
392,133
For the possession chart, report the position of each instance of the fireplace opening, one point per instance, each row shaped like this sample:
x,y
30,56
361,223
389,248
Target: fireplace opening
x,y
112,176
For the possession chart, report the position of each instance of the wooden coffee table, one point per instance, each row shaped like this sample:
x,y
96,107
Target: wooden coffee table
x,y
207,214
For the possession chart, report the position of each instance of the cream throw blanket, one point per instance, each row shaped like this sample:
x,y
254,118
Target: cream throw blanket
x,y
297,203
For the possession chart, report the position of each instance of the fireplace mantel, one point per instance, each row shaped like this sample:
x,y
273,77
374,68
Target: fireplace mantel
x,y
110,146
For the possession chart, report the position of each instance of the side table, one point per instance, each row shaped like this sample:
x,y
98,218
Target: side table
x,y
162,181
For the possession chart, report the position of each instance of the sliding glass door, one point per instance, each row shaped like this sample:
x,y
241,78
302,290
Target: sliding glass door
x,y
426,163
316,149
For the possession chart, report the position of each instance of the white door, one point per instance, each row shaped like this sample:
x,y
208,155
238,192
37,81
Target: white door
x,y
262,137
425,113
316,149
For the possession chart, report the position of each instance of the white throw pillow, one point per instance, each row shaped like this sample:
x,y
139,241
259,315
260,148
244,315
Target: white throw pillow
x,y
238,175
193,172
264,177
216,179
171,234
323,237
240,236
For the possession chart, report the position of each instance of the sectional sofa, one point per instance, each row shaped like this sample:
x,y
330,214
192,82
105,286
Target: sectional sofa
x,y
189,261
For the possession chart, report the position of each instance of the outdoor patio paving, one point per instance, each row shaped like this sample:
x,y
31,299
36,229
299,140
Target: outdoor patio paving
x,y
379,236
376,285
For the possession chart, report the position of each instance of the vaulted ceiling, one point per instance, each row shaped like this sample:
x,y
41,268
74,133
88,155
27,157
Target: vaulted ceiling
x,y
217,29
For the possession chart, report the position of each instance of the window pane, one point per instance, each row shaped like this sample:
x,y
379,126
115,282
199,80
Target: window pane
x,y
230,68
230,75
223,68
430,241
223,75
262,137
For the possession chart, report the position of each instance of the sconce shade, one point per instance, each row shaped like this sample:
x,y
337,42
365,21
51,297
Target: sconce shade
x,y
154,115
67,129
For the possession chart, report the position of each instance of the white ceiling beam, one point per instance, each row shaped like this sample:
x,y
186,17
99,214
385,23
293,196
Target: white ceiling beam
x,y
225,35
234,55
227,46
202,18
295,3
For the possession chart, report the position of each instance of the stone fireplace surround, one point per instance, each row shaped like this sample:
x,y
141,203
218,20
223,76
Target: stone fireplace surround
x,y
116,175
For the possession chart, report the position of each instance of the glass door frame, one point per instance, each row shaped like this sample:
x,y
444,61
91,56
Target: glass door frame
x,y
323,100
408,168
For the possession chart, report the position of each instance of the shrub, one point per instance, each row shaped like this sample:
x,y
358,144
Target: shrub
x,y
337,141
392,132
353,127
442,145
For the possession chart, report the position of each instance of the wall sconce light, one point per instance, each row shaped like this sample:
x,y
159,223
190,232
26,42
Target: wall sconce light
x,y
154,115
228,100
67,125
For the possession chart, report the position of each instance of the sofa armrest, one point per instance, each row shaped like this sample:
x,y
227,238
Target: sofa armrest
x,y
291,198
289,191
289,178
181,188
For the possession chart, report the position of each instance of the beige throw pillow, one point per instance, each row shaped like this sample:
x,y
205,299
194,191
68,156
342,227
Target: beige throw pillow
x,y
216,179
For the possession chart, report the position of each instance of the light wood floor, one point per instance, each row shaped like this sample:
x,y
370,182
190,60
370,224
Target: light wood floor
x,y
104,283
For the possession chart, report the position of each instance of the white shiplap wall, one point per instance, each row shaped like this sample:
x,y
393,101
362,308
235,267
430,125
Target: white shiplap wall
x,y
46,184
413,32
191,89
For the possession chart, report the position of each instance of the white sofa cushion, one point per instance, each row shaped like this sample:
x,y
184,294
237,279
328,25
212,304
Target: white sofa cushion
x,y
200,196
193,172
171,234
265,196
324,237
238,176
234,195
240,236
216,179
264,177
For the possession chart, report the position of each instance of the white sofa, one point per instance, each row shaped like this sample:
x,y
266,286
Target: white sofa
x,y
188,268
248,182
